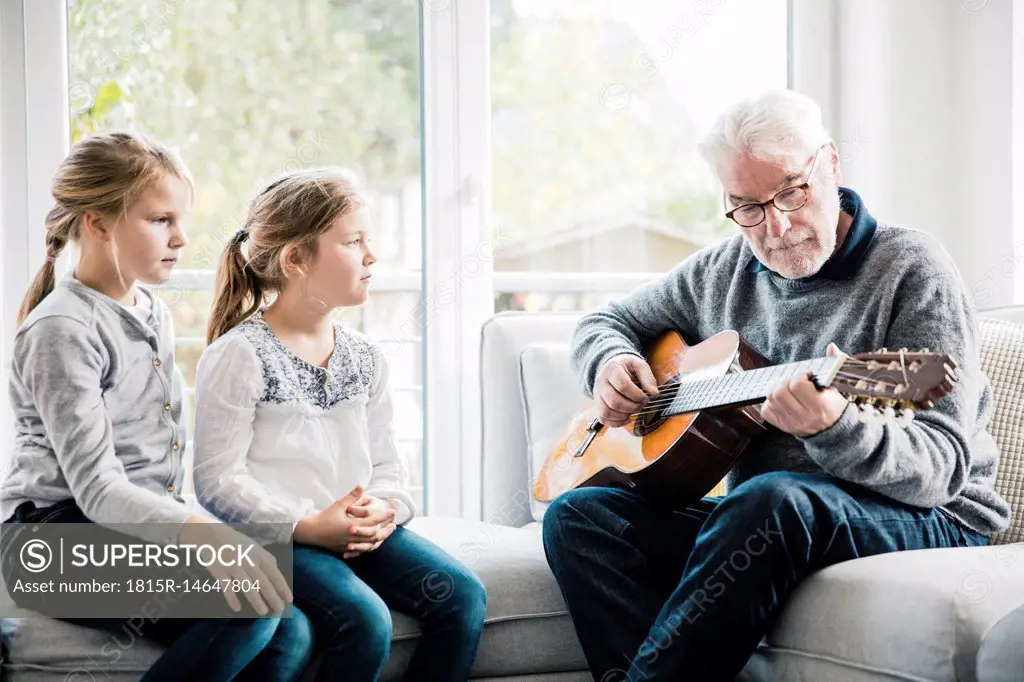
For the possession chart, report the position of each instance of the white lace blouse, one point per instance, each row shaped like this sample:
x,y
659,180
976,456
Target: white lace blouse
x,y
278,438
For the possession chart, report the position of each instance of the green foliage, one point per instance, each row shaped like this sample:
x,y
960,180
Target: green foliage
x,y
248,89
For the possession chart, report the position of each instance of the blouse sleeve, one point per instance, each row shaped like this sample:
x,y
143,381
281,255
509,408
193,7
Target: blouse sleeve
x,y
388,477
229,384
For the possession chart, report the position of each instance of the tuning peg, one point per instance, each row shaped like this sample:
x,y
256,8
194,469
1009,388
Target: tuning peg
x,y
867,414
906,416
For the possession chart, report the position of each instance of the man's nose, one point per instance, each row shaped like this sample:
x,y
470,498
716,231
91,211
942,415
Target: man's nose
x,y
776,222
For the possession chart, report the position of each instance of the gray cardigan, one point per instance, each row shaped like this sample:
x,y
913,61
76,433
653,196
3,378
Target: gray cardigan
x,y
98,409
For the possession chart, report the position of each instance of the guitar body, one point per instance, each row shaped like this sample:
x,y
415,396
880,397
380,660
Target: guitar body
x,y
674,460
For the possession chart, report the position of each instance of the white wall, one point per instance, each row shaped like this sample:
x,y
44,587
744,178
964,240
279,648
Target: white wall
x,y
919,96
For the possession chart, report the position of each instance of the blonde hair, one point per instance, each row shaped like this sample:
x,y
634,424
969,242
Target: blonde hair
x,y
105,173
292,212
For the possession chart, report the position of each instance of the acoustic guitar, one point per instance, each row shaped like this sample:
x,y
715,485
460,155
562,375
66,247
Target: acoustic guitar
x,y
687,438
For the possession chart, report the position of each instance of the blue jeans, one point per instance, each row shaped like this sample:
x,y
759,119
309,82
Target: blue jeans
x,y
347,602
214,649
687,594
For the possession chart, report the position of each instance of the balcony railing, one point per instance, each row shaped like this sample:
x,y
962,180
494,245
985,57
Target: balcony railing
x,y
401,281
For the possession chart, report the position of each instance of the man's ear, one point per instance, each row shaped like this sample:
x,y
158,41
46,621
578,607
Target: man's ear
x,y
96,225
834,161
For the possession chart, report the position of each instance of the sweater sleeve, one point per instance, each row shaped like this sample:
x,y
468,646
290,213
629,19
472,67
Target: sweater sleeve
x,y
59,366
229,383
927,463
387,479
629,324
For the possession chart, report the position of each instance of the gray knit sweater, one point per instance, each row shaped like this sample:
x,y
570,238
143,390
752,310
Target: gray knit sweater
x,y
98,407
886,287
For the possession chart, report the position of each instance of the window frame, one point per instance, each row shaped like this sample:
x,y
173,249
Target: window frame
x,y
34,134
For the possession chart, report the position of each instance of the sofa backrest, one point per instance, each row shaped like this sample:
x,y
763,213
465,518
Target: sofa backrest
x,y
521,347
506,492
1002,359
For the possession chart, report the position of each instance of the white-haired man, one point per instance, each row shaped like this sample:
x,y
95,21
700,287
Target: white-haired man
x,y
687,594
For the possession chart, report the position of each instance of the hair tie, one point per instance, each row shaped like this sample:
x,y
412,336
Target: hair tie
x,y
241,236
50,258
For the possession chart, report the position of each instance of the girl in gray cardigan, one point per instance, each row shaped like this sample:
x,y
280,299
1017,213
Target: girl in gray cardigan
x,y
98,402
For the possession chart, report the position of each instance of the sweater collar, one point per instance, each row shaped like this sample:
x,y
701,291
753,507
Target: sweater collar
x,y
846,261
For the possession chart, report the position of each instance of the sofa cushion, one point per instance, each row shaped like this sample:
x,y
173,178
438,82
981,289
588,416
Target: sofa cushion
x,y
921,615
1002,360
550,397
527,628
503,451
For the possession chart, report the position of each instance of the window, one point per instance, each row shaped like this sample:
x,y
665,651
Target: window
x,y
547,146
246,90
597,106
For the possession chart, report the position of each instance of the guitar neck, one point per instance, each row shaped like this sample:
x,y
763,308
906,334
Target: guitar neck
x,y
747,387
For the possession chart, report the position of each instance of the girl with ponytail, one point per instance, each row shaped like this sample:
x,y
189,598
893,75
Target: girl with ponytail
x,y
98,400
294,426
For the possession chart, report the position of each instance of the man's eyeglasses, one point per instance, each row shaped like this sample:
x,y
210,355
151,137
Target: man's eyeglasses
x,y
786,200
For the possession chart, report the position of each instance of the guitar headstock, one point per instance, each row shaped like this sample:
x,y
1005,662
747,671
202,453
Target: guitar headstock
x,y
891,381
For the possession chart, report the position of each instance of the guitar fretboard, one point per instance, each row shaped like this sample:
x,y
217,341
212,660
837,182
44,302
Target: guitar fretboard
x,y
750,386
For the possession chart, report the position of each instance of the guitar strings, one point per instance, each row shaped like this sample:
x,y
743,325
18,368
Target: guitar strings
x,y
671,391
666,399
849,361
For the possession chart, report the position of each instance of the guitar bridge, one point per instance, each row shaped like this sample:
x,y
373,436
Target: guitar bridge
x,y
592,428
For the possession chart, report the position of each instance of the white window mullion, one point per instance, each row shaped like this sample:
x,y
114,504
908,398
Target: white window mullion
x,y
1017,135
34,140
458,260
48,132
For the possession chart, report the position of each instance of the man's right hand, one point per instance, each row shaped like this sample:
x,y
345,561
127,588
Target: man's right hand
x,y
335,530
624,384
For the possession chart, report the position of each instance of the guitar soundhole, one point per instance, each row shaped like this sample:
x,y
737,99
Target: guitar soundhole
x,y
653,414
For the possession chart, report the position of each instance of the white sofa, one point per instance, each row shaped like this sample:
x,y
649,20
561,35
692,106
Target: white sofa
x,y
936,615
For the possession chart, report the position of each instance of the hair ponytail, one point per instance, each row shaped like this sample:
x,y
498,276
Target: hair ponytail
x,y
291,212
238,292
60,229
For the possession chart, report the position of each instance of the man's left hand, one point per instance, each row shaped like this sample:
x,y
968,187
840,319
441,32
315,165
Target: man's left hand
x,y
799,408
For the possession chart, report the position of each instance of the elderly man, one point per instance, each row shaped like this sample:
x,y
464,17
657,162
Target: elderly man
x,y
687,594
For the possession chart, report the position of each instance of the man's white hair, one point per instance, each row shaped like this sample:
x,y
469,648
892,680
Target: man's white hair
x,y
777,126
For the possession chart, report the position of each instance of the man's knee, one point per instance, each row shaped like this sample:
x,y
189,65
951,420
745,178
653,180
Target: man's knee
x,y
580,511
778,490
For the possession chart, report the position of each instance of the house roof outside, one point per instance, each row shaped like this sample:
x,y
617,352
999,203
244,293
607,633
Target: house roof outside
x,y
592,228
